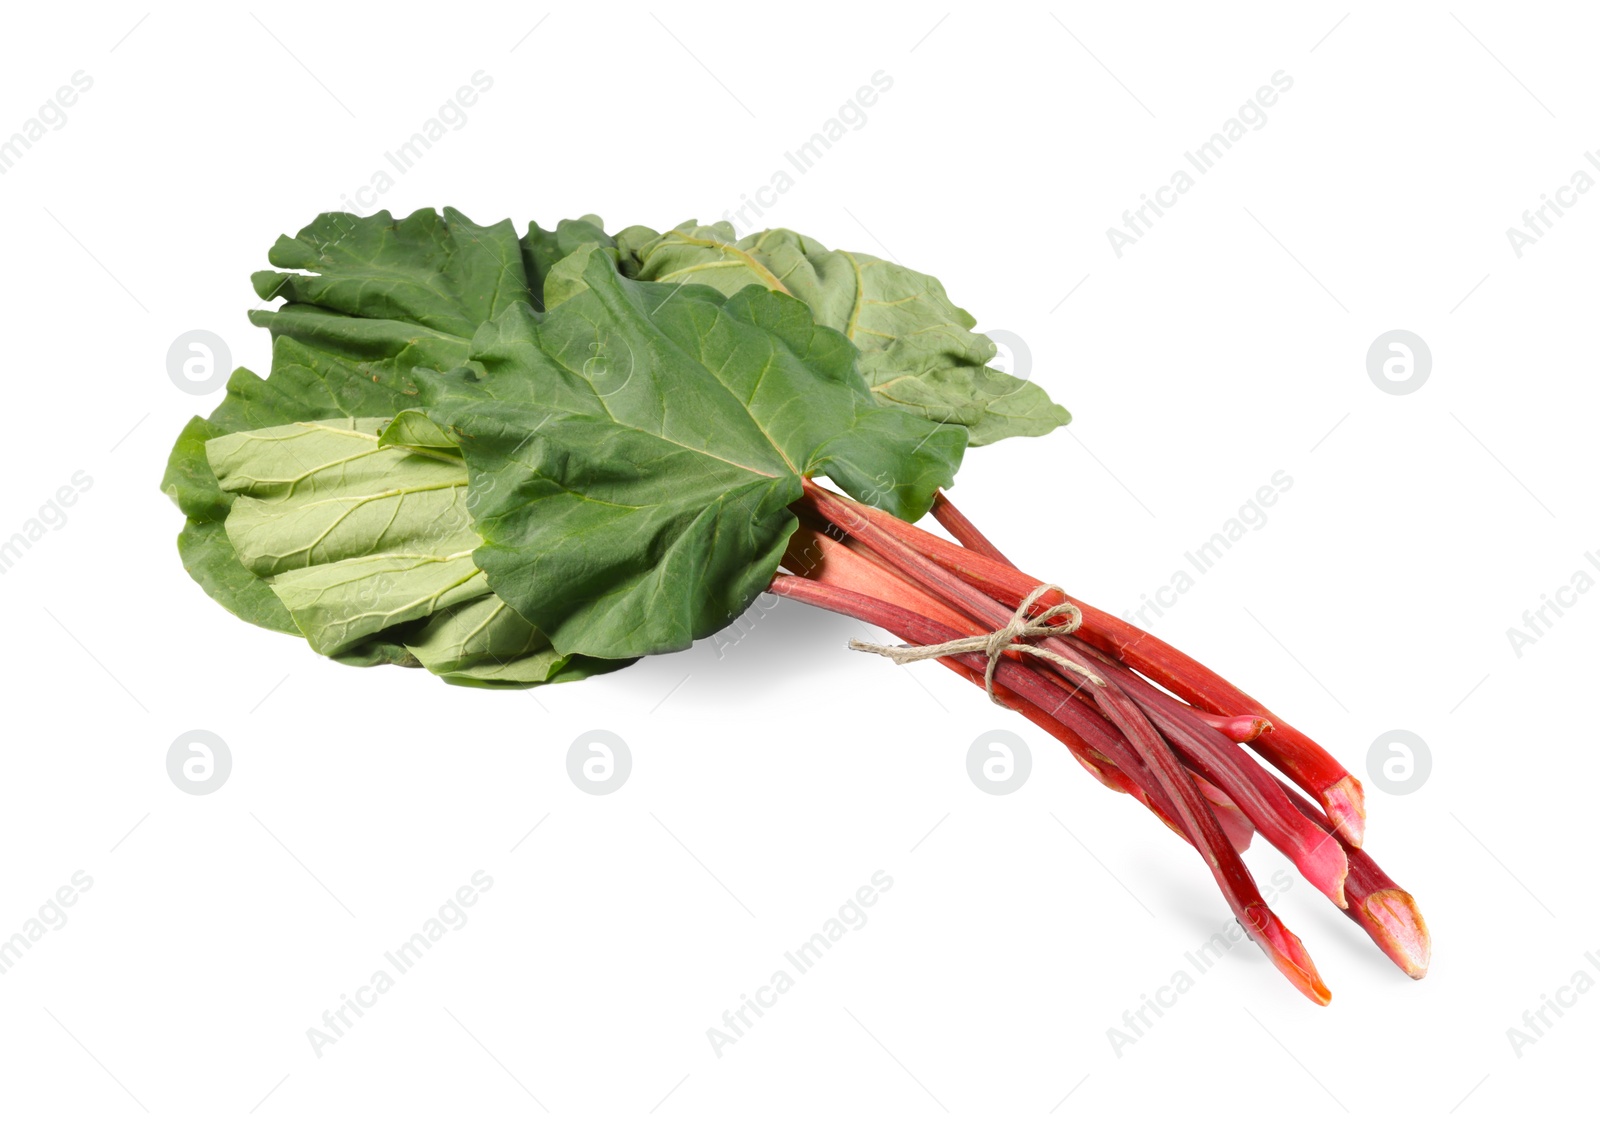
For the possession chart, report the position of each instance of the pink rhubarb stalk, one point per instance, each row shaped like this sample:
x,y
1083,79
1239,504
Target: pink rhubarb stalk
x,y
1305,762
1171,780
1252,789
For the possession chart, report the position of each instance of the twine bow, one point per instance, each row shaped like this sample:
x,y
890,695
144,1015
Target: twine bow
x,y
1024,623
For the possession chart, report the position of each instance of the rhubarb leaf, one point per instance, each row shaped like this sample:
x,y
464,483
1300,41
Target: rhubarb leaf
x,y
633,453
370,299
918,352
352,536
360,539
427,280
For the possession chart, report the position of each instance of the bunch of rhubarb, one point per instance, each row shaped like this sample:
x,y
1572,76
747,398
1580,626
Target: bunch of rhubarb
x,y
1096,687
515,460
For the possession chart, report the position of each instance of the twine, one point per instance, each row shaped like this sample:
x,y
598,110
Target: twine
x,y
1024,623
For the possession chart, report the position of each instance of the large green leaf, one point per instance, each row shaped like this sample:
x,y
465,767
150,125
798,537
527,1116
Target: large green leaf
x,y
427,281
918,352
369,299
633,453
369,546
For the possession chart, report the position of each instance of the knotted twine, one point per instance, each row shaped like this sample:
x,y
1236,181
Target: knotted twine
x,y
1024,623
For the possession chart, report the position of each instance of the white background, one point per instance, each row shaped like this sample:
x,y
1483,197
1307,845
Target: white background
x,y
770,782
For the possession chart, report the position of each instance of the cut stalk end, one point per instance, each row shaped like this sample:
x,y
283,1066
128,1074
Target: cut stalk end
x,y
1347,809
1392,919
1289,955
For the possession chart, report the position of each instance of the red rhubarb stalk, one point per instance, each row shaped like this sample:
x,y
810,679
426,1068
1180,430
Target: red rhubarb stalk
x,y
816,556
1238,887
813,555
1285,747
964,530
1256,793
1313,849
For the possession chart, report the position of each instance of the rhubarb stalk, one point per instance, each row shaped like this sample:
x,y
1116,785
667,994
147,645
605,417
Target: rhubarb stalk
x,y
1200,824
1311,849
1294,753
